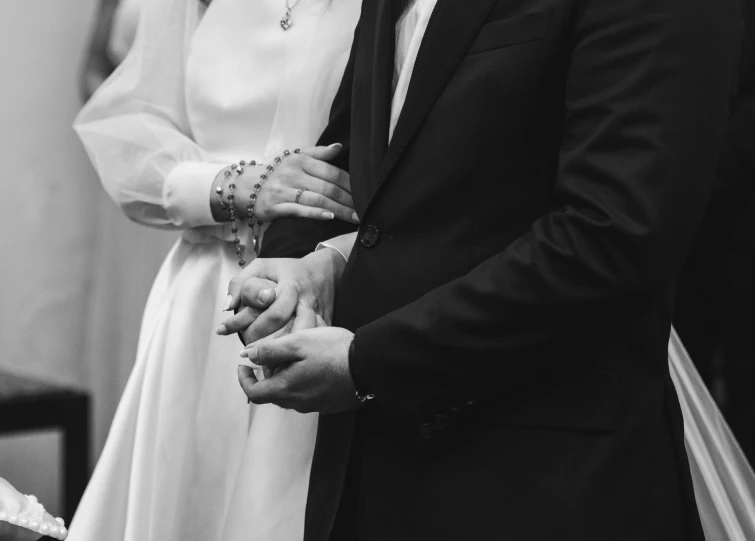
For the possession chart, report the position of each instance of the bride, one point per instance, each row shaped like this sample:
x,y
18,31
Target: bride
x,y
202,89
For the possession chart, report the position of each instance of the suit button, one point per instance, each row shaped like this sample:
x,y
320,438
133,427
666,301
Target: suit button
x,y
425,431
441,421
370,236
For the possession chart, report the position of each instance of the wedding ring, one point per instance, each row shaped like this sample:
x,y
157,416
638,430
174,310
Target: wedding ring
x,y
298,195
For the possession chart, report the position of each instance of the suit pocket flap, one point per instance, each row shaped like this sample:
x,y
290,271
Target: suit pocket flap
x,y
505,32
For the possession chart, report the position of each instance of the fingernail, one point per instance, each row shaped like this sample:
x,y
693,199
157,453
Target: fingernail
x,y
339,145
222,330
251,354
355,217
265,295
328,215
227,303
243,354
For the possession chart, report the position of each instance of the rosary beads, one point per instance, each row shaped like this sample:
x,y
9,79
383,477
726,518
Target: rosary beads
x,y
254,224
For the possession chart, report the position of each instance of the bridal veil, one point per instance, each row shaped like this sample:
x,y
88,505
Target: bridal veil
x,y
723,479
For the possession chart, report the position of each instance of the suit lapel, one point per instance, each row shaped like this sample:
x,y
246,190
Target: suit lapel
x,y
452,28
371,97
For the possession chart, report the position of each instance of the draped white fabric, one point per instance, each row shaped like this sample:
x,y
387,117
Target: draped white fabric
x,y
136,129
146,129
724,481
123,30
187,458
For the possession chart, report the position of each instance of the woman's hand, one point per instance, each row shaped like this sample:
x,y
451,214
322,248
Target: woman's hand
x,y
265,294
325,189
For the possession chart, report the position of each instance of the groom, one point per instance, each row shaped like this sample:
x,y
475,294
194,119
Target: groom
x,y
496,366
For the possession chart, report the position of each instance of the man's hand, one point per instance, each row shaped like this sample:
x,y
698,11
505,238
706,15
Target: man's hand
x,y
309,369
266,293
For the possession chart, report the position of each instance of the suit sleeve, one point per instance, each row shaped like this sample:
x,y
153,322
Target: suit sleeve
x,y
296,237
646,95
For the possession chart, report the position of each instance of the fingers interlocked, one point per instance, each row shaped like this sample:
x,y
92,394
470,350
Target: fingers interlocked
x,y
258,324
274,355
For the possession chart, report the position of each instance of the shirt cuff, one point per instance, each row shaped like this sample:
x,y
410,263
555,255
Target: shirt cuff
x,y
343,244
322,245
186,194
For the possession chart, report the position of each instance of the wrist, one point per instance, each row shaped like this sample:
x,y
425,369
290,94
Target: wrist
x,y
328,261
245,188
218,194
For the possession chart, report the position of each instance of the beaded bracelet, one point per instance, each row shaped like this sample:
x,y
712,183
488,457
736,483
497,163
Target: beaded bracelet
x,y
230,207
254,225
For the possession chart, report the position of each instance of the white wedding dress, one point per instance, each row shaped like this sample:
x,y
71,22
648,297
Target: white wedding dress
x,y
187,459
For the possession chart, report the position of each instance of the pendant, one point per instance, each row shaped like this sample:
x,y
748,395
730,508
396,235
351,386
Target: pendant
x,y
286,21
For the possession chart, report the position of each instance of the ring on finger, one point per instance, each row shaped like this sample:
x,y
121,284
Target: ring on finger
x,y
298,195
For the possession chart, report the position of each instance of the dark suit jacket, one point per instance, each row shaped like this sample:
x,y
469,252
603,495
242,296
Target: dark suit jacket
x,y
509,287
715,294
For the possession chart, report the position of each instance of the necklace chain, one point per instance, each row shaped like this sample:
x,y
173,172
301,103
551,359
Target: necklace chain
x,y
286,21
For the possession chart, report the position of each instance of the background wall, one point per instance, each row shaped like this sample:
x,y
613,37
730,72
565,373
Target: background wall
x,y
74,273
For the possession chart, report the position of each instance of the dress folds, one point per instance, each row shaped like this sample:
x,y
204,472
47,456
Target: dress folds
x,y
187,458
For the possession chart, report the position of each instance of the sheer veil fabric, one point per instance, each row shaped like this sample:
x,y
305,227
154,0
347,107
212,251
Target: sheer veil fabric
x,y
723,479
186,457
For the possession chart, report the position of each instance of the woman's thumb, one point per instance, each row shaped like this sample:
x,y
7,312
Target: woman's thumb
x,y
322,153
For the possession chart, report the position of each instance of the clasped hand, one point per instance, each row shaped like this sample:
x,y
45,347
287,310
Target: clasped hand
x,y
303,185
283,309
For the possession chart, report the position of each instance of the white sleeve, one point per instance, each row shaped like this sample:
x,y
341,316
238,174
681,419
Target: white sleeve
x,y
136,130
